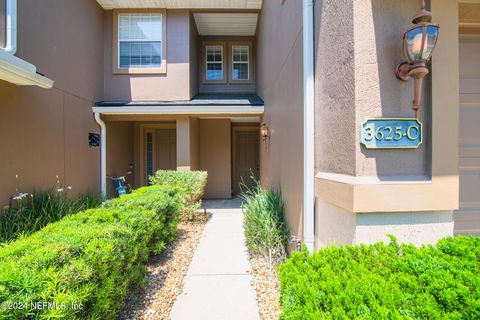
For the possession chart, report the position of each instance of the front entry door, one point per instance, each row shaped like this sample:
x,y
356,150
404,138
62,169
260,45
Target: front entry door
x,y
245,157
160,151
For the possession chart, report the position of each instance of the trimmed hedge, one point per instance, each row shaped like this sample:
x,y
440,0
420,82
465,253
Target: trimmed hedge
x,y
192,184
84,264
381,281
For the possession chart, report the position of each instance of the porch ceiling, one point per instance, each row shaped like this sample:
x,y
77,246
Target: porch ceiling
x,y
182,4
226,24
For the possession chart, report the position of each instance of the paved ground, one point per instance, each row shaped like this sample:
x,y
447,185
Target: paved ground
x,y
218,285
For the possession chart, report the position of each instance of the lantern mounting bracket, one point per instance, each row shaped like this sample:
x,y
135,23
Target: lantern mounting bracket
x,y
404,70
419,41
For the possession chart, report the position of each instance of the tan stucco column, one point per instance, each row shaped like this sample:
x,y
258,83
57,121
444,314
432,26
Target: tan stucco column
x,y
183,144
365,194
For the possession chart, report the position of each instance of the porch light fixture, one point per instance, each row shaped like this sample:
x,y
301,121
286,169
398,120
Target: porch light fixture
x,y
418,43
264,132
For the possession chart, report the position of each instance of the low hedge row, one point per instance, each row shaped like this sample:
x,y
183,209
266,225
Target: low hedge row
x,y
192,184
82,266
381,281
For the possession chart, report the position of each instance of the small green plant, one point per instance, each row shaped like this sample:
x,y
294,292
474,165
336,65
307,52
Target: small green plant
x,y
84,264
265,227
384,281
35,211
191,184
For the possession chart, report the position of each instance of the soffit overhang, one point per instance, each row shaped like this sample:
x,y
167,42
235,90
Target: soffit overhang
x,y
182,4
226,24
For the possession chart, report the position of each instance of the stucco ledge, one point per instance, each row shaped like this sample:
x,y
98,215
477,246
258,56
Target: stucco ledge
x,y
388,194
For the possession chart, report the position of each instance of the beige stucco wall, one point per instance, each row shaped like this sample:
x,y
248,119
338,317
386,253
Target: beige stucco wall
x,y
45,132
369,193
378,30
194,57
355,81
215,157
280,84
174,85
194,144
334,87
120,146
417,228
338,226
183,143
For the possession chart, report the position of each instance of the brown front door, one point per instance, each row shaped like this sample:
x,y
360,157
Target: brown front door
x,y
166,149
245,157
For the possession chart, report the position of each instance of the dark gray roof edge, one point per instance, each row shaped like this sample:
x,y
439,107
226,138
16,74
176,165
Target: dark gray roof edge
x,y
199,100
170,104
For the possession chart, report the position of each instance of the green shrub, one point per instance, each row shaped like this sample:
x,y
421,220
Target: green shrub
x,y
90,259
41,208
384,282
266,230
192,184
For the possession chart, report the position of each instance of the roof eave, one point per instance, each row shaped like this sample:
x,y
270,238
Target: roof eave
x,y
20,72
179,110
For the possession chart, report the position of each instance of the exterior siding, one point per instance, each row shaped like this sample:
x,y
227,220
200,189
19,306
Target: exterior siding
x,y
363,194
215,157
194,57
45,132
174,85
280,84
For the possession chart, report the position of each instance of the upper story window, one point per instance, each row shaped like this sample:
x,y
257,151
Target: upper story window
x,y
240,62
139,41
214,62
227,62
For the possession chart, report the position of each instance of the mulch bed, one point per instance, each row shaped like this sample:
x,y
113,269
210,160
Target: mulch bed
x,y
166,272
267,287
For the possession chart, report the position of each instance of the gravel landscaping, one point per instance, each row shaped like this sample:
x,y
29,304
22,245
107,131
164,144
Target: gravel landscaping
x,y
165,275
267,287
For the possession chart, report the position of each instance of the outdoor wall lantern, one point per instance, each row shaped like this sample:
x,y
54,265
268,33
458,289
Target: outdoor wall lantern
x,y
418,43
264,132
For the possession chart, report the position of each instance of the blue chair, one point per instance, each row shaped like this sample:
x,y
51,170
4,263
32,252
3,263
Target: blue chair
x,y
118,183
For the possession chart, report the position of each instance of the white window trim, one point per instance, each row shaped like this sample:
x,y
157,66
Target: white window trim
x,y
207,62
116,45
241,62
119,40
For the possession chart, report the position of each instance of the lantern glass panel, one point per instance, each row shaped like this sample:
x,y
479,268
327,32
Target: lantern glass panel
x,y
413,45
431,40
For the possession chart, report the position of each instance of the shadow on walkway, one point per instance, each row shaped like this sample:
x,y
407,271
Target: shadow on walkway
x,y
234,203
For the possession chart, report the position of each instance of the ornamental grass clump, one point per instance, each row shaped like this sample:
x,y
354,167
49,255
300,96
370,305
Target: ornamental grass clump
x,y
266,230
34,211
384,281
82,266
191,183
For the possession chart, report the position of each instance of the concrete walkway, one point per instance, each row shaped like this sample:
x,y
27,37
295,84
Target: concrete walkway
x,y
218,285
